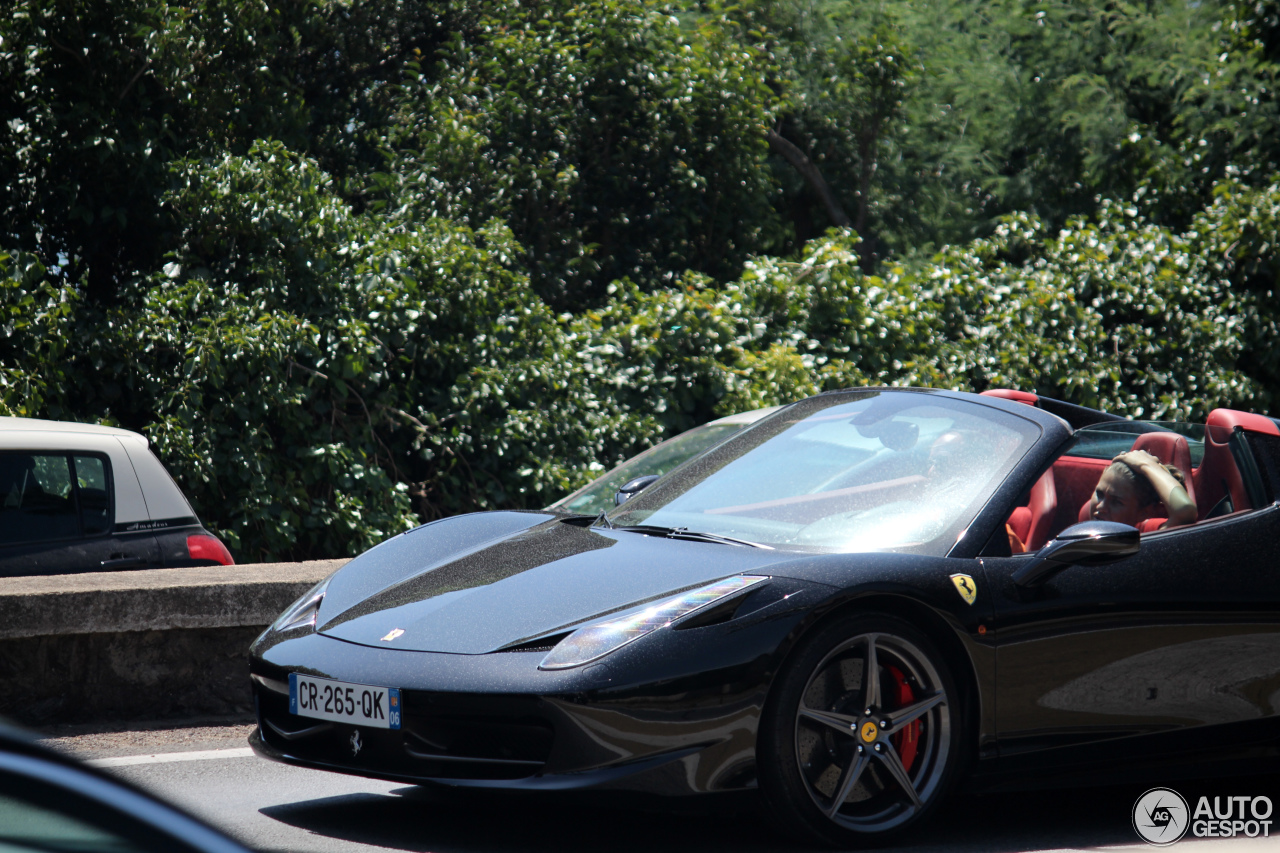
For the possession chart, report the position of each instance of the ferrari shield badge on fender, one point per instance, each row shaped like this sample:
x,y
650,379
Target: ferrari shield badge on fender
x,y
396,632
966,587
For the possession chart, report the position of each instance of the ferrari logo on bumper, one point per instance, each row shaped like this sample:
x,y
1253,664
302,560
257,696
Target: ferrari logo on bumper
x,y
966,587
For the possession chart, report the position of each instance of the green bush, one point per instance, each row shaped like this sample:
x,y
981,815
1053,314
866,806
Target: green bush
x,y
309,373
318,379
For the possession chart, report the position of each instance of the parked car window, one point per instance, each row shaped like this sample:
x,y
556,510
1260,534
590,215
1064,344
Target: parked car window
x,y
95,495
44,498
38,500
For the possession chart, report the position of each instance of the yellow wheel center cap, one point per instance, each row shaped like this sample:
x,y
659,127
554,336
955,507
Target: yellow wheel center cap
x,y
869,731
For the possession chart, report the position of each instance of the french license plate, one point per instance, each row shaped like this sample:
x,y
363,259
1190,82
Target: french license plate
x,y
342,702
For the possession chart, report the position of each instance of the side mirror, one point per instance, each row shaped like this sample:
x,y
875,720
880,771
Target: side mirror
x,y
1086,543
630,488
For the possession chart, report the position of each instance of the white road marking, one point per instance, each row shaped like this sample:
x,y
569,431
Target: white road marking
x,y
166,757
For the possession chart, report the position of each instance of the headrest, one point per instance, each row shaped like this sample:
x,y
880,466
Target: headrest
x,y
1009,394
1224,420
1171,449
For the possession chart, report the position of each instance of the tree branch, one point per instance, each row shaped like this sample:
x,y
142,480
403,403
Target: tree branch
x,y
129,85
812,176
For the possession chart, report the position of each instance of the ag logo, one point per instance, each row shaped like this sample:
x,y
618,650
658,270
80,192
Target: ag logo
x,y
966,587
1160,816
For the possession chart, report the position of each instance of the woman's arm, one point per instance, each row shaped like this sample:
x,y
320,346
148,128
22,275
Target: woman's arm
x,y
1179,506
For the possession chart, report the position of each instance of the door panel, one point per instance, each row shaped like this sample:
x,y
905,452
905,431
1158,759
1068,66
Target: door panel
x,y
1182,636
135,550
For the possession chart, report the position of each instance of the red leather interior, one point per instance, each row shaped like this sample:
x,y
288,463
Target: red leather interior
x,y
1229,419
1170,449
1076,478
1060,498
1218,475
1034,523
1009,394
1043,511
1020,522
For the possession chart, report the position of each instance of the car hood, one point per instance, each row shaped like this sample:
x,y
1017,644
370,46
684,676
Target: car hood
x,y
479,583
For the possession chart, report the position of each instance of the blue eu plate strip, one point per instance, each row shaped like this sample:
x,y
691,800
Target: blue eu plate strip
x,y
393,700
293,693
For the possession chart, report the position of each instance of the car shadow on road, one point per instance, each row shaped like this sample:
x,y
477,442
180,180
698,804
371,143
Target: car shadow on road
x,y
418,819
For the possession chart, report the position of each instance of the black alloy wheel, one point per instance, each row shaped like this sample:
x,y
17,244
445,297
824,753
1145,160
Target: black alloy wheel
x,y
862,737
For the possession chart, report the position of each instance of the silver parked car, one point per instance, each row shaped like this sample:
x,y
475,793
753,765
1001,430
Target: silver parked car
x,y
88,498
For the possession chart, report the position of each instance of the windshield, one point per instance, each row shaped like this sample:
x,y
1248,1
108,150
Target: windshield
x,y
597,496
857,471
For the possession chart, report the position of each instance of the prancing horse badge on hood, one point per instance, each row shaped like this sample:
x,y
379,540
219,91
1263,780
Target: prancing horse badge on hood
x,y
966,587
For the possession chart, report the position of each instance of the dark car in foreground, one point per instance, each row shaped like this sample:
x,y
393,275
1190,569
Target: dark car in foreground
x,y
50,803
88,498
825,607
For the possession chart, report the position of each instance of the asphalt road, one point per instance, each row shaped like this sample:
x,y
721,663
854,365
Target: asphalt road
x,y
275,807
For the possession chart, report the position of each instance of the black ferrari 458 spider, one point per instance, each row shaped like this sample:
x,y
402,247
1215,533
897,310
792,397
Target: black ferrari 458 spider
x,y
827,606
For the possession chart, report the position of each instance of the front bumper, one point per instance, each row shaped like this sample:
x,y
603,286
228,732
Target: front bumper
x,y
497,721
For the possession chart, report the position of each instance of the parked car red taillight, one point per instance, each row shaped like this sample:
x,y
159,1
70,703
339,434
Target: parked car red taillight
x,y
204,546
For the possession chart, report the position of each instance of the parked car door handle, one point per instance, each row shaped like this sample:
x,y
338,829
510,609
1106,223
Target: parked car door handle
x,y
124,563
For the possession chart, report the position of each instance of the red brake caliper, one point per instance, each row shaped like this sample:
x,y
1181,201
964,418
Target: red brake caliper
x,y
905,741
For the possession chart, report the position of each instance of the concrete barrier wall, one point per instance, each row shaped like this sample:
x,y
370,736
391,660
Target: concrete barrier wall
x,y
145,645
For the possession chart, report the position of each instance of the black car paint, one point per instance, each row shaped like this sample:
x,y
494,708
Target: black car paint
x,y
104,552
702,714
1154,643
677,711
691,695
450,607
143,545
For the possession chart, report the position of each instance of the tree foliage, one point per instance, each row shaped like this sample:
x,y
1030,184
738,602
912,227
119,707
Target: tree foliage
x,y
612,140
99,97
355,266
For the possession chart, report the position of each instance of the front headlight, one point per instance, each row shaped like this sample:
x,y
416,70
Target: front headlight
x,y
595,641
303,611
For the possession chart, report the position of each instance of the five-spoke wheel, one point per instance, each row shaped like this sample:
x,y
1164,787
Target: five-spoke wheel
x,y
861,736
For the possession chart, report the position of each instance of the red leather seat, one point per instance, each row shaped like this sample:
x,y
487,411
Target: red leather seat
x,y
1171,449
1033,522
1218,477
